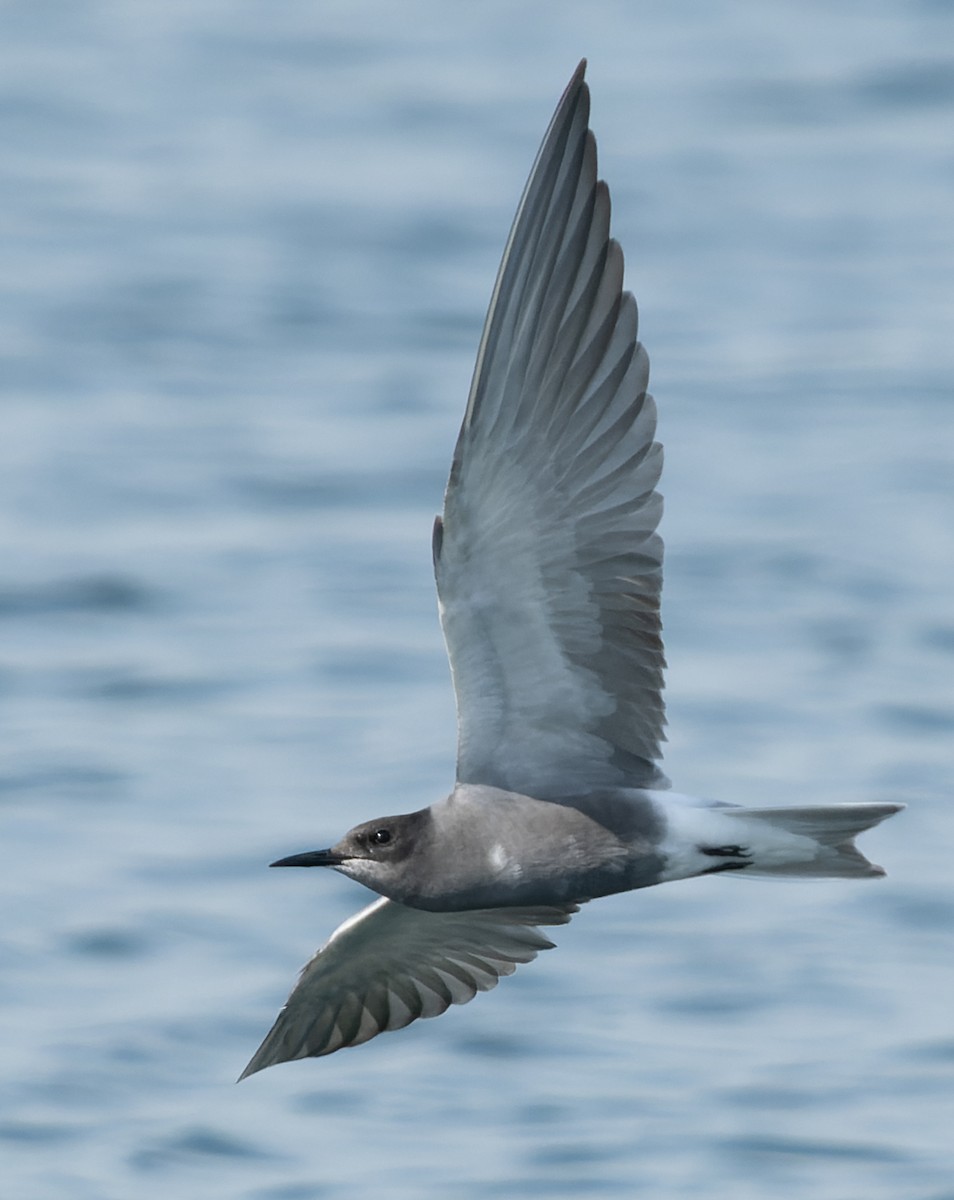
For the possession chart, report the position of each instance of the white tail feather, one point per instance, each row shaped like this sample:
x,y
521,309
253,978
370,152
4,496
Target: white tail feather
x,y
833,829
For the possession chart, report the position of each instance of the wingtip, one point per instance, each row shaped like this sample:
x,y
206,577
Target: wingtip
x,y
578,78
577,83
253,1066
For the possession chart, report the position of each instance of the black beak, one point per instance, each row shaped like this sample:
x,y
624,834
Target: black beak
x,y
311,858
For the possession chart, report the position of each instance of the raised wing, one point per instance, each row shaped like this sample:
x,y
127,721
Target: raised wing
x,y
389,964
548,564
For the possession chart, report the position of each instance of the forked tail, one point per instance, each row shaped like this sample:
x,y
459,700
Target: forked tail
x,y
833,830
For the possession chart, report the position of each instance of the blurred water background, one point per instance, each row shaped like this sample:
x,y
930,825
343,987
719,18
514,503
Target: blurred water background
x,y
247,253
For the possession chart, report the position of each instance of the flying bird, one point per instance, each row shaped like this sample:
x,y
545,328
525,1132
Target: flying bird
x,y
549,572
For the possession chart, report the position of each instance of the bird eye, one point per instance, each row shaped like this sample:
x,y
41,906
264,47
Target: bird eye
x,y
380,837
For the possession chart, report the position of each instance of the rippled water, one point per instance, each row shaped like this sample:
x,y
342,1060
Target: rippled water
x,y
248,254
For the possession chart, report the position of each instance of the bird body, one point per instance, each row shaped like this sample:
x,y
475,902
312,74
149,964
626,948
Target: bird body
x,y
548,566
483,847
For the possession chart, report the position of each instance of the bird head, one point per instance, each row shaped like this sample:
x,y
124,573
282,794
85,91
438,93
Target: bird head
x,y
374,853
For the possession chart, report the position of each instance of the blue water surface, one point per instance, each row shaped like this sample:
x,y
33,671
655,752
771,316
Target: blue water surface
x,y
248,250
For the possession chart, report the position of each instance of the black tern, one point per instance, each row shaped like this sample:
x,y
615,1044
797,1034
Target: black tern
x,y
549,573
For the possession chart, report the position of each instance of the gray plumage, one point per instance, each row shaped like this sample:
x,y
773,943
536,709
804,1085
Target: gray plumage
x,y
389,965
549,573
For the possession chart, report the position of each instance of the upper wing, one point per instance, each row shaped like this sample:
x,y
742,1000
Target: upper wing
x,y
389,964
549,569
